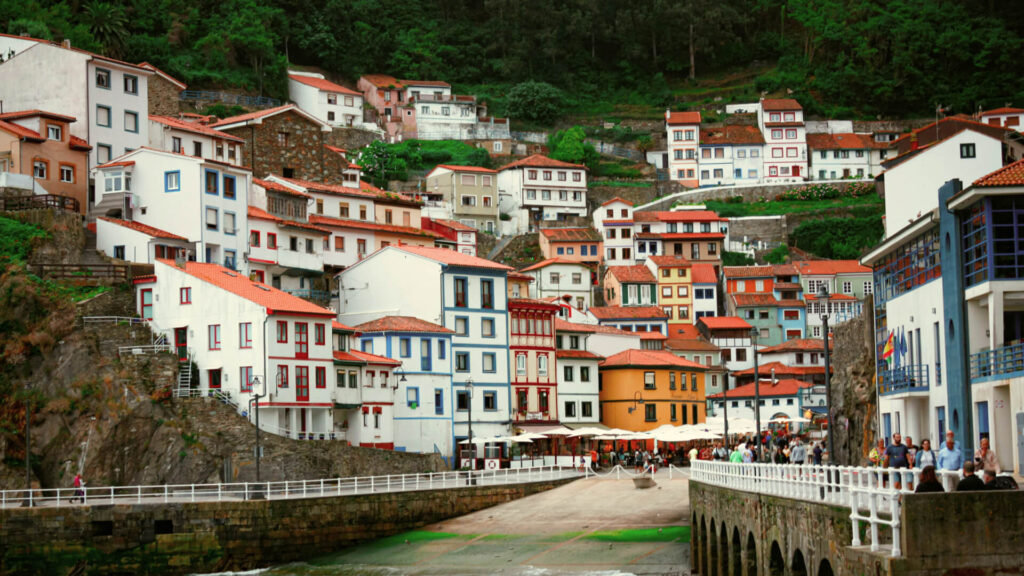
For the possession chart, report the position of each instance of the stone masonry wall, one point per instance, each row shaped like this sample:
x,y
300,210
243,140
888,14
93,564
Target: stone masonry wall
x,y
854,396
304,153
751,194
163,97
351,138
185,538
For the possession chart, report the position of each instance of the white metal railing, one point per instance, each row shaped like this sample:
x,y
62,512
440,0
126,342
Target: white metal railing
x,y
177,493
870,493
147,349
112,320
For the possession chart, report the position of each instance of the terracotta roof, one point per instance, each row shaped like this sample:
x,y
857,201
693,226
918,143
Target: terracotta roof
x,y
788,286
524,278
843,142
453,224
165,75
322,84
689,117
691,345
455,168
703,273
571,234
20,131
540,161
33,113
242,118
680,235
364,225
274,300
549,262
147,230
1009,175
780,368
662,260
731,135
382,80
564,326
194,127
780,104
451,257
521,303
577,354
627,312
830,267
797,345
678,216
374,359
617,199
765,271
335,325
725,322
782,387
78,143
334,188
658,358
277,187
117,163
1002,111
648,335
401,324
760,300
425,83
945,128
636,273
261,214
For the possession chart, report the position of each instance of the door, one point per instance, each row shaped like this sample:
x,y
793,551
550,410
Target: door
x,y
982,419
302,383
796,171
1020,442
302,420
214,379
181,343
886,425
146,306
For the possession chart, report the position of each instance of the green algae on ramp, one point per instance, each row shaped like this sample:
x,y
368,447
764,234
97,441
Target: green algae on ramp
x,y
664,534
401,549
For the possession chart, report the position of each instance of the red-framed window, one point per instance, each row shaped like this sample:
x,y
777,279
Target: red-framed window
x,y
302,382
321,377
383,379
245,335
282,332
185,295
213,378
146,304
369,378
271,241
254,239
213,334
301,340
321,334
282,376
260,277
245,378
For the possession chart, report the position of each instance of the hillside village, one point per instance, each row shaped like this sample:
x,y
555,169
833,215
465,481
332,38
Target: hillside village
x,y
269,262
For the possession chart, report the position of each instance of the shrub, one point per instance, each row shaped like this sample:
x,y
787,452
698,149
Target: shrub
x,y
736,259
534,101
435,156
777,256
840,238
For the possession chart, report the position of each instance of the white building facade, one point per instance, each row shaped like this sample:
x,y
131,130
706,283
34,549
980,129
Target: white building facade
x,y
327,101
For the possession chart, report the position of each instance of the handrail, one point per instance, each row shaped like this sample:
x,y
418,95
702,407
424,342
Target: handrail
x,y
14,203
998,362
113,320
280,490
146,349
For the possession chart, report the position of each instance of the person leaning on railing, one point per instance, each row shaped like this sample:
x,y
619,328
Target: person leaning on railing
x,y
929,482
925,456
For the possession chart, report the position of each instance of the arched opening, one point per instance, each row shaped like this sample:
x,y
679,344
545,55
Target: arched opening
x,y
776,563
713,557
750,562
736,554
723,539
703,547
694,544
824,569
798,568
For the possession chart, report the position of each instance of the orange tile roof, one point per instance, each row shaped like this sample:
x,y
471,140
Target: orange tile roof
x,y
1002,111
425,83
455,168
627,312
571,234
374,359
401,324
147,230
383,80
540,161
649,335
843,142
78,143
681,235
194,127
117,163
780,368
678,216
688,117
335,325
617,223
945,128
452,258
725,322
830,267
797,345
617,199
1009,175
373,226
565,326
274,300
549,262
322,84
20,131
453,224
783,387
649,358
691,344
253,115
32,113
748,300
636,273
577,355
277,187
260,214
780,104
521,303
733,134
662,260
703,273
334,188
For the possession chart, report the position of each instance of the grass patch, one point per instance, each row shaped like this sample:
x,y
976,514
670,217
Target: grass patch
x,y
666,534
16,240
412,537
780,207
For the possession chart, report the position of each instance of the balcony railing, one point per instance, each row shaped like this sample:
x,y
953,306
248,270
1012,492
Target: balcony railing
x,y
910,378
1002,362
315,296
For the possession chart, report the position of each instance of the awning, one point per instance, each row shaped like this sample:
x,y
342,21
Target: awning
x,y
818,410
341,406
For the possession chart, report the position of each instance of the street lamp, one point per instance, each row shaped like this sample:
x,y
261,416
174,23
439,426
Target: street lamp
x,y
27,502
256,396
638,399
823,299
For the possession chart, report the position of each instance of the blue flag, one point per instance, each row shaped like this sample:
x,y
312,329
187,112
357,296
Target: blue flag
x,y
903,344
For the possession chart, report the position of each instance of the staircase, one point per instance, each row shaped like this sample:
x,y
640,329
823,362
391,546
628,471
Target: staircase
x,y
184,389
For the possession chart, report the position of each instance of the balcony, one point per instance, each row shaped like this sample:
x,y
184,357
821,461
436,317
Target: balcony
x,y
300,259
902,380
1005,362
319,297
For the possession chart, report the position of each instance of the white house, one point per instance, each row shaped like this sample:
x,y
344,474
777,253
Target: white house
x,y
327,101
198,199
112,109
604,341
692,232
288,253
785,140
1006,117
237,330
194,138
705,290
733,337
731,155
558,278
614,220
683,133
577,377
539,188
783,398
848,155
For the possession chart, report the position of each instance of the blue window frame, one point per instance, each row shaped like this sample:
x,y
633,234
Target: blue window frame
x,y
131,121
366,345
490,363
100,116
561,250
230,191
104,78
439,401
441,346
412,397
211,182
405,347
229,259
231,226
172,181
462,361
487,294
426,359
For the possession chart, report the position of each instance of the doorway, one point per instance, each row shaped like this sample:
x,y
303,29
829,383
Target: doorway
x,y
181,343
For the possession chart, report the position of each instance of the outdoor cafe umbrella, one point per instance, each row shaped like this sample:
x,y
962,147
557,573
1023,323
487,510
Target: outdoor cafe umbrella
x,y
787,420
589,431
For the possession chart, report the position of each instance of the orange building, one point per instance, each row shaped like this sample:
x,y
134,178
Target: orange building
x,y
583,245
39,145
644,389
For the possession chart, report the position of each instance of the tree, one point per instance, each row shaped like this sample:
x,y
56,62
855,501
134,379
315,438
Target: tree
x,y
109,25
571,146
379,162
534,101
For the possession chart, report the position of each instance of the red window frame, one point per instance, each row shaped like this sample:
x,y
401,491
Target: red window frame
x,y
260,277
302,383
213,336
245,335
302,341
282,332
185,295
383,379
212,381
271,241
320,334
254,239
282,375
245,378
321,377
146,314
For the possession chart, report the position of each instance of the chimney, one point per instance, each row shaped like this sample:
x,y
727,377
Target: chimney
x,y
668,113
66,43
774,381
913,142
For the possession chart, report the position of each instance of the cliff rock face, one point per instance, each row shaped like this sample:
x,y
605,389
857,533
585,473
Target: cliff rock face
x,y
854,393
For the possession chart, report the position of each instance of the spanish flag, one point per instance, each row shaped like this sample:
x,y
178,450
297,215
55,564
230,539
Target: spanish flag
x,y
888,349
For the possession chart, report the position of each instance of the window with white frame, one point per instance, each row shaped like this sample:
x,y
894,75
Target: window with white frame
x,y
40,169
67,174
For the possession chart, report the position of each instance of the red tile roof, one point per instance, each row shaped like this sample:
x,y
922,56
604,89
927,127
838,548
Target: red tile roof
x,y
452,258
780,368
373,226
797,345
616,222
540,161
118,163
33,113
681,235
20,131
691,344
844,142
277,187
335,325
453,224
147,230
627,312
571,234
401,324
648,335
260,214
783,387
241,118
165,75
78,144
1009,175
274,300
678,216
334,189
760,300
455,168
383,80
780,104
649,358
689,117
522,303
577,355
703,273
374,359
748,271
194,127
322,84
733,134
944,129
636,273
549,262
830,267
1002,111
425,83
617,199
725,322
564,326
662,260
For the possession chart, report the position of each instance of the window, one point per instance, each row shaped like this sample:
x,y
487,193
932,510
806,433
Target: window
x,y
40,168
212,182
301,339
547,174
103,116
487,294
490,401
462,361
282,139
213,336
542,365
489,362
321,377
271,241
245,335
570,409
588,409
461,326
172,181
649,381
229,187
211,218
197,149
650,413
671,380
967,151
54,132
103,78
487,327
705,174
282,332
791,134
404,347
131,121
790,152
520,364
320,331
460,292
229,223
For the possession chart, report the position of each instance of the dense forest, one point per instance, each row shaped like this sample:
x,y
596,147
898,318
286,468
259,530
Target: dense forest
x,y
839,57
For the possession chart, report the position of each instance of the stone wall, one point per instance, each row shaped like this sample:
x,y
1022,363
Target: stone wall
x,y
163,96
854,396
185,538
764,228
749,193
67,235
304,153
351,139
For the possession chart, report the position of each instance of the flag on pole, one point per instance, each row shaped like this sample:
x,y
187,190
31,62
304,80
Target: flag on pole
x,y
903,344
897,357
888,348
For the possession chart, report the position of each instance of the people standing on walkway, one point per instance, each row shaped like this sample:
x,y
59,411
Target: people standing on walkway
x,y
950,457
79,484
985,457
737,454
818,451
693,454
925,455
720,453
897,456
877,453
798,454
970,482
929,483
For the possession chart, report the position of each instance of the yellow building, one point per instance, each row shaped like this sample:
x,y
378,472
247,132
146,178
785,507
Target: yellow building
x,y
644,389
675,287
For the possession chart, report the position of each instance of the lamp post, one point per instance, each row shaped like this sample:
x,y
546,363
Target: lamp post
x,y
757,394
255,386
823,299
469,405
725,407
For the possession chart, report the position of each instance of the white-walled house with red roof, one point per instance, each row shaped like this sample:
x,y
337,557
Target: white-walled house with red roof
x,y
578,389
780,398
202,200
235,330
691,232
559,277
326,100
614,220
540,188
194,138
137,242
705,290
785,140
849,155
847,282
456,235
1007,117
683,133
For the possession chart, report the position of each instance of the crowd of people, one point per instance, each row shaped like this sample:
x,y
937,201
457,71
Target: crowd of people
x,y
900,455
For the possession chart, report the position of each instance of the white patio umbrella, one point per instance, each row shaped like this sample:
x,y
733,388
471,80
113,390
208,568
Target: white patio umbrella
x,y
557,431
521,439
588,431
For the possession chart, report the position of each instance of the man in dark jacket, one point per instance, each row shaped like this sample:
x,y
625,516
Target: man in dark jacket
x,y
970,481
